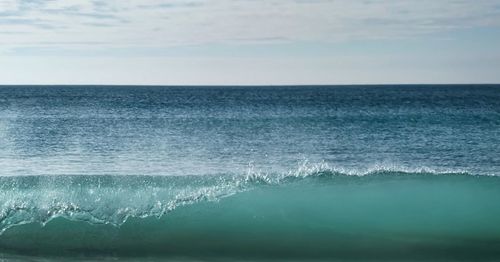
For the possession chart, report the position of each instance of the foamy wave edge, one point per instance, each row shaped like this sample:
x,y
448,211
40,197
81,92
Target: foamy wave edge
x,y
228,185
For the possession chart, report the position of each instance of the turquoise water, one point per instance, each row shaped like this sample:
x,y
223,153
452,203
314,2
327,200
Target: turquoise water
x,y
320,215
250,173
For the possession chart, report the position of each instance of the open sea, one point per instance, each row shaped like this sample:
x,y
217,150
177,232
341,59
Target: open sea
x,y
301,173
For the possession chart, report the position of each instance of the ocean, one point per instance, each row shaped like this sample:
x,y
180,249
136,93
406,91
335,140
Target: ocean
x,y
250,173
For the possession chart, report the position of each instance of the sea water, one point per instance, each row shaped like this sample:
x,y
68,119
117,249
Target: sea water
x,y
401,172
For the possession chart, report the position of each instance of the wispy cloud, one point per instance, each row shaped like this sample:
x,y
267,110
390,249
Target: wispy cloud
x,y
157,23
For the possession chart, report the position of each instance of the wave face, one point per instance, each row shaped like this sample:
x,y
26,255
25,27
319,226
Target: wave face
x,y
322,214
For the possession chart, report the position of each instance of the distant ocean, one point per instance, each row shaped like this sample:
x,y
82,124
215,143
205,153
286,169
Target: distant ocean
x,y
399,172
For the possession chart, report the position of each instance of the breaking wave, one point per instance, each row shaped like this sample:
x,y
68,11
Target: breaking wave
x,y
312,212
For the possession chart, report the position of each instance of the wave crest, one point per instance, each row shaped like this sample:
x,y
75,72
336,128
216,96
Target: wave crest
x,y
114,199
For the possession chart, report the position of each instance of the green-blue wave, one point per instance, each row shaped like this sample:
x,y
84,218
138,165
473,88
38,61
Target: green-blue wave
x,y
320,214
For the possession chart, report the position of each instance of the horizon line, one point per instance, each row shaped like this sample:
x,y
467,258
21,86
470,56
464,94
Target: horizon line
x,y
247,85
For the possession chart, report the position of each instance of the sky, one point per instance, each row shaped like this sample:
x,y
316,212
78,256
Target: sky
x,y
249,42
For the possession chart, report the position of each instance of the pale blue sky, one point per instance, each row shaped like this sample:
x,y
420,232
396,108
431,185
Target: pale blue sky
x,y
177,42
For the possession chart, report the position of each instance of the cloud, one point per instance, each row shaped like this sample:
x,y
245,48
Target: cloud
x,y
164,23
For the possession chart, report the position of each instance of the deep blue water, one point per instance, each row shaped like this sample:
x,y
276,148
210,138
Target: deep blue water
x,y
209,130
302,172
